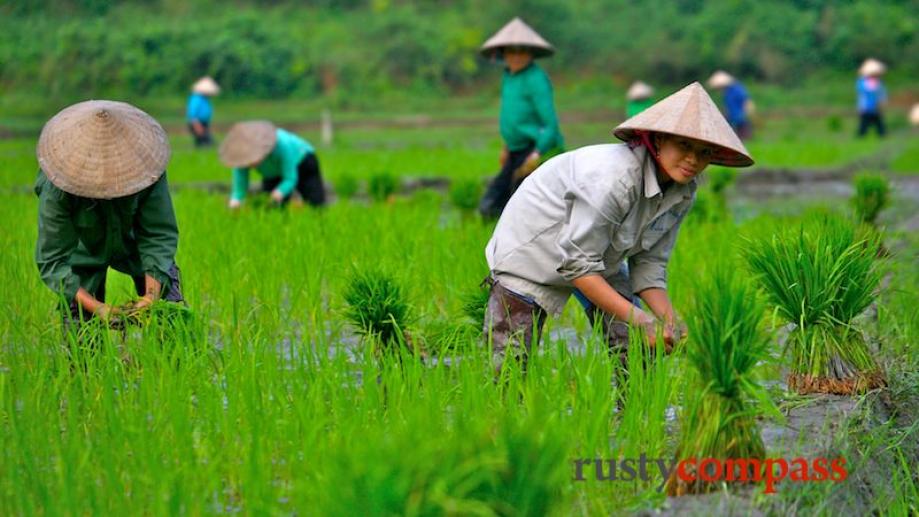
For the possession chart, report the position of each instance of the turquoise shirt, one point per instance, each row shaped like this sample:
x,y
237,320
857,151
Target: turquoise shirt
x,y
198,108
528,112
282,161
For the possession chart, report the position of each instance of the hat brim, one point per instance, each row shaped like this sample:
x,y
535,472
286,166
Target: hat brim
x,y
722,155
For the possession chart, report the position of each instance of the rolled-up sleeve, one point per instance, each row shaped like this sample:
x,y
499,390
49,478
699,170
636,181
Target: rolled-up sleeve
x,y
157,231
648,269
57,239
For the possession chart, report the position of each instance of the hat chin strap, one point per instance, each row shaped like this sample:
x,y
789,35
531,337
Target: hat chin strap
x,y
644,138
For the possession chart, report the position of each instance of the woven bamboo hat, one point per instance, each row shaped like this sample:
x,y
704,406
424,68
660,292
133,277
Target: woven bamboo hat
x,y
206,86
247,143
720,79
914,115
517,34
102,149
639,90
872,67
690,112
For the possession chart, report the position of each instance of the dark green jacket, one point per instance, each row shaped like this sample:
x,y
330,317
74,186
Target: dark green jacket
x,y
77,236
528,111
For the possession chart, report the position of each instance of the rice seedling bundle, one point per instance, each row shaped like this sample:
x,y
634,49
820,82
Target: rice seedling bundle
x,y
377,307
382,185
820,276
726,341
872,192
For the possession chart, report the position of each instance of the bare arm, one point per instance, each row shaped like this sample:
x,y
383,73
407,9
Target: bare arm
x,y
598,291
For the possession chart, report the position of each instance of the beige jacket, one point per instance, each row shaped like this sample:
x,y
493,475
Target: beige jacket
x,y
583,212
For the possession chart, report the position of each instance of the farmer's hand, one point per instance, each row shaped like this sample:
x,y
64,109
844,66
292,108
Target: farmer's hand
x,y
107,313
678,329
650,326
277,196
502,158
143,303
531,163
234,204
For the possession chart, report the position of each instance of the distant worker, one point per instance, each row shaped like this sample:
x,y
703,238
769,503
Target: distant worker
x,y
528,123
285,161
639,97
871,96
104,203
737,103
199,110
579,216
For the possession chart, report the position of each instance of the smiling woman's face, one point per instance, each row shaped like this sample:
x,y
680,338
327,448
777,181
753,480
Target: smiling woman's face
x,y
682,158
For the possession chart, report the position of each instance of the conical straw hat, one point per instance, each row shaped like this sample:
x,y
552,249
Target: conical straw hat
x,y
206,86
247,143
872,67
914,115
639,90
102,149
720,79
517,34
690,112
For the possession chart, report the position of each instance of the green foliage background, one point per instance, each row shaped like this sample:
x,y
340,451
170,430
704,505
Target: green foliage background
x,y
346,49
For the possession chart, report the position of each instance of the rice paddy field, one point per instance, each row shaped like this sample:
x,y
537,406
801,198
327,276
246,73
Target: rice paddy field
x,y
266,398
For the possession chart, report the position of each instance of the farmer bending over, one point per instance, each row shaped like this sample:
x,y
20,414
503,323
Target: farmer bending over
x,y
285,161
104,203
198,112
579,216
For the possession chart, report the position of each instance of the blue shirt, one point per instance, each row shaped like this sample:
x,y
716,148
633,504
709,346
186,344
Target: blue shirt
x,y
735,98
199,108
871,94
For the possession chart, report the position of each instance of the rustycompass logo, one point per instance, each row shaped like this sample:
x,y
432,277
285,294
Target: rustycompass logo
x,y
770,471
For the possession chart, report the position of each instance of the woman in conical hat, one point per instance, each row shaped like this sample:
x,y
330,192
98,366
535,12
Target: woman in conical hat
x,y
199,111
638,98
104,203
871,97
528,123
601,221
285,161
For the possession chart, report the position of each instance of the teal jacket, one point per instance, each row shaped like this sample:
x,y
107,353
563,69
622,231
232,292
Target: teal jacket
x,y
282,161
134,234
528,112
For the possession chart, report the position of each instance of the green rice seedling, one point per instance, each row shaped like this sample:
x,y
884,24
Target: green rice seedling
x,y
465,194
872,194
382,186
377,307
820,275
346,186
475,303
726,342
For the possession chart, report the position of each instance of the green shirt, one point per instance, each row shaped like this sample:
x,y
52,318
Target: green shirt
x,y
282,161
77,236
527,111
634,107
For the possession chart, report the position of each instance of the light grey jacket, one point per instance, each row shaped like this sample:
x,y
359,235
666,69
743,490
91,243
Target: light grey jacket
x,y
584,212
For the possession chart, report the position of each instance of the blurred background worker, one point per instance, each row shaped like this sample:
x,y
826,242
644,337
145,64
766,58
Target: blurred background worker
x,y
871,96
529,125
638,98
199,110
738,106
104,203
285,161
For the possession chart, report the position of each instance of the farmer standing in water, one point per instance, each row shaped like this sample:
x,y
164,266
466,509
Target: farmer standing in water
x,y
528,122
580,215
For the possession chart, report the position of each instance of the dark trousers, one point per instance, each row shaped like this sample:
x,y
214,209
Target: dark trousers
x,y
309,182
203,140
868,120
514,323
171,292
503,186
